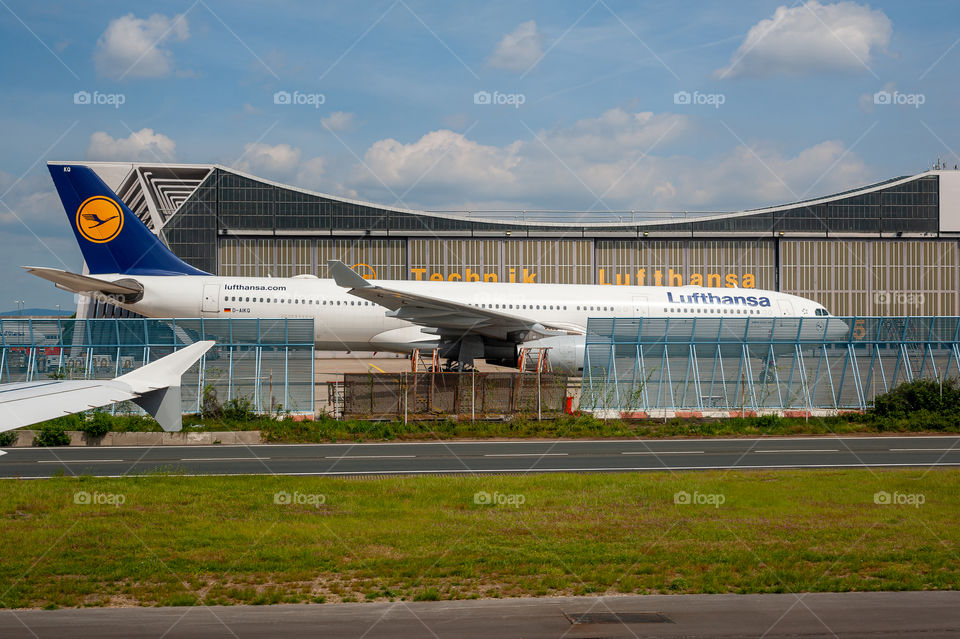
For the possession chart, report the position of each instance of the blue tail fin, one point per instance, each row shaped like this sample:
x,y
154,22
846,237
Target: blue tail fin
x,y
111,237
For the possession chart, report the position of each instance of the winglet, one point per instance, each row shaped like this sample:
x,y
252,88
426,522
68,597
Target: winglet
x,y
345,276
158,384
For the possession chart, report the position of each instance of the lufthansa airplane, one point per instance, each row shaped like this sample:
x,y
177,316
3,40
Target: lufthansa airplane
x,y
466,321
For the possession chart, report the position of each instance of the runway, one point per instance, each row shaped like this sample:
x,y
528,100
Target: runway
x,y
521,456
847,615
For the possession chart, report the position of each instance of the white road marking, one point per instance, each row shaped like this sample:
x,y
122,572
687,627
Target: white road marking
x,y
913,450
800,450
662,452
224,458
525,455
370,457
77,461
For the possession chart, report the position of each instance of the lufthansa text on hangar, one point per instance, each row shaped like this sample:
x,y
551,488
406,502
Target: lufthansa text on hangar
x,y
891,248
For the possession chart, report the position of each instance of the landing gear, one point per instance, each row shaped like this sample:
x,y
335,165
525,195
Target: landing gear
x,y
453,366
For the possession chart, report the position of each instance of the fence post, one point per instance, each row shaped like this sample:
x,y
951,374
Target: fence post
x,y
539,417
473,395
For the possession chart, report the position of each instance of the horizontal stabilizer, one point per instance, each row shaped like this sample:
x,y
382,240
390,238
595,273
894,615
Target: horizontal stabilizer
x,y
77,283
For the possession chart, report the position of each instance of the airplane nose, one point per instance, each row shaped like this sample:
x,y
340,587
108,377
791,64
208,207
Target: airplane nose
x,y
837,330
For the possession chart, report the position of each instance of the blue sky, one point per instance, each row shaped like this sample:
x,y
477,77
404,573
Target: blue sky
x,y
592,115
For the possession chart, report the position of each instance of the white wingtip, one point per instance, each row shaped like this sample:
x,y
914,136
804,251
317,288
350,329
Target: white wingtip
x,y
166,371
345,276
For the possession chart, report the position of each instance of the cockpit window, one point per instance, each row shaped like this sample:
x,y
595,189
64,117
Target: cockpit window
x,y
822,312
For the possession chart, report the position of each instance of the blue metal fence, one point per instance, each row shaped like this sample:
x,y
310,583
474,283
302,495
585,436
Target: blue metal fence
x,y
266,361
761,364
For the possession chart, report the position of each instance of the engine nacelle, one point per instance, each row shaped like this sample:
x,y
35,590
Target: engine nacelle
x,y
566,352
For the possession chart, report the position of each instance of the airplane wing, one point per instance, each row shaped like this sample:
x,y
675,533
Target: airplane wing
x,y
76,283
445,316
155,387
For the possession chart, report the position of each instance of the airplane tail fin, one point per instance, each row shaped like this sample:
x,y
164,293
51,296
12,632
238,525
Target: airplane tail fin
x,y
111,237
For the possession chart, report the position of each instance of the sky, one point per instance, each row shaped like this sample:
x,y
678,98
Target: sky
x,y
598,106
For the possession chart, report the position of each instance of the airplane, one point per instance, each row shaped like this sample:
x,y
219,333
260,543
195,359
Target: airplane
x,y
129,265
154,387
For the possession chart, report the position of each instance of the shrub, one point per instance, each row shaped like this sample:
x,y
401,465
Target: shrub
x,y
98,425
769,422
239,409
910,398
211,408
7,438
52,434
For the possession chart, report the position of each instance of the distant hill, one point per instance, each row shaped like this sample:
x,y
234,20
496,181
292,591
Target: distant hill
x,y
39,311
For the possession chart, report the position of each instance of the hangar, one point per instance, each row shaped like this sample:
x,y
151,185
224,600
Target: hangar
x,y
890,248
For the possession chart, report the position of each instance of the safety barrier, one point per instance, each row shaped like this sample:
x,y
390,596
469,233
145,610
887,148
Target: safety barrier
x,y
267,362
733,366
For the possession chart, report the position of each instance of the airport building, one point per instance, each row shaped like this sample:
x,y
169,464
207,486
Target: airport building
x,y
891,248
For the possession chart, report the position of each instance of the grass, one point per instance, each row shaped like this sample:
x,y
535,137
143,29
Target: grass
x,y
326,429
225,540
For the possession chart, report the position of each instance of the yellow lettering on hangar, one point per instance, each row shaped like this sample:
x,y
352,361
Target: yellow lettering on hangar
x,y
674,278
525,276
642,277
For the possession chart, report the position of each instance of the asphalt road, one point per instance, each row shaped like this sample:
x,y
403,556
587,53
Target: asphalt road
x,y
485,457
845,615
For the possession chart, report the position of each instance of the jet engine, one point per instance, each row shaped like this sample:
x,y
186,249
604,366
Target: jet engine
x,y
566,352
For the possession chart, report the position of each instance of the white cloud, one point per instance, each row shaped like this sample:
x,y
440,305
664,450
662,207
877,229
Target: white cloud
x,y
811,38
312,174
283,162
519,50
30,205
339,121
270,161
144,144
759,175
132,46
593,150
619,160
439,158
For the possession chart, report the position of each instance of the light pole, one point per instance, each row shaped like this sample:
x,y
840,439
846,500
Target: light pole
x,y
20,304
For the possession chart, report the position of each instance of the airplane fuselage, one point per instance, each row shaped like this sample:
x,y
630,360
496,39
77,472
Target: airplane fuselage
x,y
345,322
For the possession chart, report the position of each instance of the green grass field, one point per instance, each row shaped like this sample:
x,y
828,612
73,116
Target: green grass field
x,y
180,541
